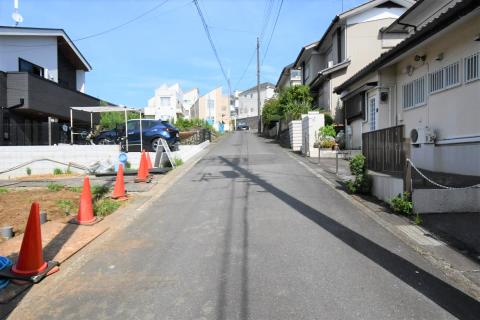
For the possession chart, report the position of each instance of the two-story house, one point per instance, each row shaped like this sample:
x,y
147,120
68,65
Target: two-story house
x,y
288,77
214,108
42,74
248,103
422,95
189,99
352,40
167,103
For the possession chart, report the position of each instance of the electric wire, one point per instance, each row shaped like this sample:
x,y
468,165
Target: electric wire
x,y
212,44
273,31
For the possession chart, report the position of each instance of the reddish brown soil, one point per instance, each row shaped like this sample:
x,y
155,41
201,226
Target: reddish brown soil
x,y
15,205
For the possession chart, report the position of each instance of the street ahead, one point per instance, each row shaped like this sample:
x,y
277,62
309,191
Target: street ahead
x,y
249,233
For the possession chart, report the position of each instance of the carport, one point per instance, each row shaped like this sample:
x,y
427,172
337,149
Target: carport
x,y
102,109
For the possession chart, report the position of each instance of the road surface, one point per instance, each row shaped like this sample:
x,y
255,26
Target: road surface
x,y
249,233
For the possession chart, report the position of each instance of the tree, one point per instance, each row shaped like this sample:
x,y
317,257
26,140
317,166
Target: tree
x,y
272,111
295,101
110,120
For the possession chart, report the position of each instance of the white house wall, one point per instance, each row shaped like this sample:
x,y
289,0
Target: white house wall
x,y
41,51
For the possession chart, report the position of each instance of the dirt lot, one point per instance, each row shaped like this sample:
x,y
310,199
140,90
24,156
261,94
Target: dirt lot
x,y
15,205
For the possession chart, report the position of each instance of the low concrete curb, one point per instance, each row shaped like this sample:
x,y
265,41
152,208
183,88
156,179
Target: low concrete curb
x,y
452,264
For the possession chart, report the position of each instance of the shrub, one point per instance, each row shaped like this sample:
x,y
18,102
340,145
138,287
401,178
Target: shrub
x,y
57,171
401,204
29,171
362,182
105,207
3,190
328,142
54,187
328,119
327,131
128,165
357,165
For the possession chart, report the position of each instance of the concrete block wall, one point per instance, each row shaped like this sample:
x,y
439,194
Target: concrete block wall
x,y
446,200
385,187
295,130
86,155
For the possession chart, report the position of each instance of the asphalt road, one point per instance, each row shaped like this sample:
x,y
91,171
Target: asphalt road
x,y
248,233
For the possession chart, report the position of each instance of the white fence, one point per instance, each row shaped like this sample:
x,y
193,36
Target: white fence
x,y
83,155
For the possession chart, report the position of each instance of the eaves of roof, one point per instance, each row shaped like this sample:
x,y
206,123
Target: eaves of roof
x,y
441,22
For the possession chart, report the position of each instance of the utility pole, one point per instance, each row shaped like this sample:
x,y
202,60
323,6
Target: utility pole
x,y
258,88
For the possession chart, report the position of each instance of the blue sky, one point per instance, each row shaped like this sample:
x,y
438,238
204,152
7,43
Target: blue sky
x,y
169,44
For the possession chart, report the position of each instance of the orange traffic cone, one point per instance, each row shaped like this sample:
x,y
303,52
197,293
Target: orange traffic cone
x,y
85,210
149,161
30,259
142,175
119,189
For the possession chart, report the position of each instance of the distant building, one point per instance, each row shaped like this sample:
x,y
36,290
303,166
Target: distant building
x,y
166,104
289,77
189,100
248,102
214,108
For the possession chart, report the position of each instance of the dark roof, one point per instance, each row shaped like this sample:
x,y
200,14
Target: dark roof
x,y
441,22
287,67
262,86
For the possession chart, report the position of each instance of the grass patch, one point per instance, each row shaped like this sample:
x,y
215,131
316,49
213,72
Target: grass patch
x,y
65,205
75,189
3,190
57,171
54,187
178,161
104,207
29,171
99,191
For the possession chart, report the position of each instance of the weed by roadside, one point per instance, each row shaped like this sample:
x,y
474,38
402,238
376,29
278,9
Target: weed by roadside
x,y
178,161
75,189
3,190
402,204
98,191
29,171
53,187
68,171
65,205
57,171
105,207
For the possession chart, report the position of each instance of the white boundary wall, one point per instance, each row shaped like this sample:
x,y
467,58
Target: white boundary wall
x,y
295,130
85,155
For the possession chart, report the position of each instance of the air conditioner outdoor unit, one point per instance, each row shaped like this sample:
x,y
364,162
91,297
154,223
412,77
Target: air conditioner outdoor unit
x,y
422,135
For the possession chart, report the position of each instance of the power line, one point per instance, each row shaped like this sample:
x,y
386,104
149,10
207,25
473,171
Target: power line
x,y
209,36
266,19
104,31
273,31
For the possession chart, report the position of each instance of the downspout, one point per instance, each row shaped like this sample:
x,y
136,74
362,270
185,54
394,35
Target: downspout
x,y
21,104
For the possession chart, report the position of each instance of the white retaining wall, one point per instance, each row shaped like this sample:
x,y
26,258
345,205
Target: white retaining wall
x,y
295,130
385,187
86,155
311,124
446,201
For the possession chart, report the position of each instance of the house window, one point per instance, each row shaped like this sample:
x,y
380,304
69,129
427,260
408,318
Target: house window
x,y
372,112
164,101
210,107
444,78
26,66
472,67
452,74
307,71
414,93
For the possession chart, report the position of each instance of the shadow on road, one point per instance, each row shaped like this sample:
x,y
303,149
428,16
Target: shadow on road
x,y
444,295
